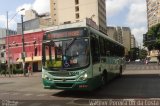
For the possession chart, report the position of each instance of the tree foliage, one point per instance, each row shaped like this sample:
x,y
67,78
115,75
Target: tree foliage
x,y
153,36
143,54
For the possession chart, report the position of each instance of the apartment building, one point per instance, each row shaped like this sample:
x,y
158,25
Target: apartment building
x,y
63,12
119,35
126,32
115,33
153,12
112,32
133,41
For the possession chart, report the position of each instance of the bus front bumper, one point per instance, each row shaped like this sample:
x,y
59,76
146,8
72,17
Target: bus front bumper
x,y
88,85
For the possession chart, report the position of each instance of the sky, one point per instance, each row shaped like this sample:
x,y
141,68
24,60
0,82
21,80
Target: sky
x,y
125,13
14,6
128,13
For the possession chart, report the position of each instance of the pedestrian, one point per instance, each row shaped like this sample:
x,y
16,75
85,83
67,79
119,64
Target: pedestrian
x,y
29,70
146,61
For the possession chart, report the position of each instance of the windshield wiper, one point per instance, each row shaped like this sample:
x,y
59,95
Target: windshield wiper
x,y
70,43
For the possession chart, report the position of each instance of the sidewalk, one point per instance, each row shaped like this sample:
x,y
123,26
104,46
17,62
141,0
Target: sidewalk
x,y
35,74
139,72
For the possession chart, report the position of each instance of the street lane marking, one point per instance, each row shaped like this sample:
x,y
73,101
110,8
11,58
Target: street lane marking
x,y
27,94
42,95
14,94
5,93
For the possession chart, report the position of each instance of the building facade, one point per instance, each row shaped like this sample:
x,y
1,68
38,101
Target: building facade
x,y
4,33
153,12
63,12
34,21
30,14
33,49
112,32
133,41
119,35
2,50
126,32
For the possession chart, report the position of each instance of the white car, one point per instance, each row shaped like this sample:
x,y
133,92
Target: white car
x,y
137,60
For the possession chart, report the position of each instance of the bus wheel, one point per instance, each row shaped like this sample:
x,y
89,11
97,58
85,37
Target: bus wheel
x,y
120,71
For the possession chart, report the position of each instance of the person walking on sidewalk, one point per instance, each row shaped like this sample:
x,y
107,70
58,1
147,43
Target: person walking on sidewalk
x,y
29,70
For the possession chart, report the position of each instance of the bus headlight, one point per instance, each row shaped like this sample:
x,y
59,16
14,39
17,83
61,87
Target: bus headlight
x,y
83,77
46,77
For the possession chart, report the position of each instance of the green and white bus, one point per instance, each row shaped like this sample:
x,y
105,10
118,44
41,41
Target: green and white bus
x,y
80,58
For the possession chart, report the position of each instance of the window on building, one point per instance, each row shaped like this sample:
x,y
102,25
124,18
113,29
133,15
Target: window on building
x,y
4,47
35,51
67,22
77,8
76,2
77,15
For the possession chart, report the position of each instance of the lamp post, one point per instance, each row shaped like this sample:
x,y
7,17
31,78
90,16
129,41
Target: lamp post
x,y
7,35
9,71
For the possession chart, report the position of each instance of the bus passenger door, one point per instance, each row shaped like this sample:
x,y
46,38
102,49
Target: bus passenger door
x,y
95,54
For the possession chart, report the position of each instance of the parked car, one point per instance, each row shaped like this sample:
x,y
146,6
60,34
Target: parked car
x,y
137,60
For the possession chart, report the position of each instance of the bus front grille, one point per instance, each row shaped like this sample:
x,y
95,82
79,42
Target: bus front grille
x,y
64,85
67,79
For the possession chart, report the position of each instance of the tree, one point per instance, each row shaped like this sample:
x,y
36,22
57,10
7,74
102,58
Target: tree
x,y
143,54
134,53
153,38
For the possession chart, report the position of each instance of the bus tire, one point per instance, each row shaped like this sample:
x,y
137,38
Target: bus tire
x,y
120,71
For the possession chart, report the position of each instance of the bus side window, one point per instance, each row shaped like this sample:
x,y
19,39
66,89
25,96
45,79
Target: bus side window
x,y
107,53
95,50
107,48
102,46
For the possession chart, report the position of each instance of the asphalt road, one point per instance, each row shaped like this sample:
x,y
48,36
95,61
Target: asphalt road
x,y
138,82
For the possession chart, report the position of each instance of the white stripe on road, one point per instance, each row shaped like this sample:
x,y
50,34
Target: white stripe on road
x,y
14,94
5,93
27,94
42,95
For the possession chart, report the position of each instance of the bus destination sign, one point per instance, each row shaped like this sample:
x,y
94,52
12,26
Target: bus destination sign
x,y
64,34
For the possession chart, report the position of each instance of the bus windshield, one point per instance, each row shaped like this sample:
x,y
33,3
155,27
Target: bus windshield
x,y
66,54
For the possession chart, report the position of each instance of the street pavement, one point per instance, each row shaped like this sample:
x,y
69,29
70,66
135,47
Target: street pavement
x,y
139,81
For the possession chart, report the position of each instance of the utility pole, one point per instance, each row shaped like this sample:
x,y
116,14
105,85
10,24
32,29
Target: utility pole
x,y
7,35
23,49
